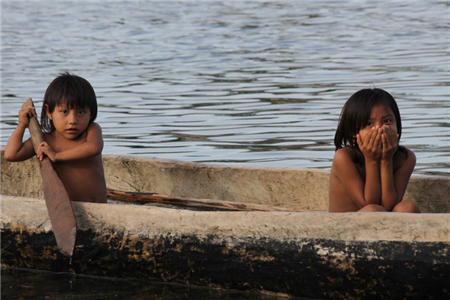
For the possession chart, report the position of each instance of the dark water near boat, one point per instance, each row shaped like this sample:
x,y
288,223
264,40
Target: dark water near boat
x,y
25,284
232,82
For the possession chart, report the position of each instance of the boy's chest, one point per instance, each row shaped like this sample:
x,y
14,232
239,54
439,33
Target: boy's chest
x,y
60,144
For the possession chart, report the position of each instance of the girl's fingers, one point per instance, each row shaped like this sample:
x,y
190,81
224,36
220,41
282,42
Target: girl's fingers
x,y
384,140
392,137
359,141
370,138
377,138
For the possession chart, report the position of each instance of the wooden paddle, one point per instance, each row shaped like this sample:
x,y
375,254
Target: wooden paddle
x,y
59,208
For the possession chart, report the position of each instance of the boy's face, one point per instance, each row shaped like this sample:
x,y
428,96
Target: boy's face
x,y
380,115
70,123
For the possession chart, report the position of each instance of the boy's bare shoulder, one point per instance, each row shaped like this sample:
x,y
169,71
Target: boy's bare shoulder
x,y
94,126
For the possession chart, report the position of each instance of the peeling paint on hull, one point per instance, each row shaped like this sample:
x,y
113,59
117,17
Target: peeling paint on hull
x,y
302,268
252,260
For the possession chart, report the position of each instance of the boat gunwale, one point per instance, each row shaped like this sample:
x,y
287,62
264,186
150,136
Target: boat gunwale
x,y
148,220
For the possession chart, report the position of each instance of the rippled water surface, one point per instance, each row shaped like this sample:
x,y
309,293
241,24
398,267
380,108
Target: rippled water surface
x,y
236,82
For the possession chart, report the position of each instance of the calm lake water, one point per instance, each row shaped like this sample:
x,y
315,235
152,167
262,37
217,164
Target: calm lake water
x,y
235,82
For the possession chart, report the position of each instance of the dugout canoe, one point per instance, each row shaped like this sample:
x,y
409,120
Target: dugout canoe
x,y
298,254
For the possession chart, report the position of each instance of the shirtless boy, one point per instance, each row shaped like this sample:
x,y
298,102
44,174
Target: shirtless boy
x,y
73,141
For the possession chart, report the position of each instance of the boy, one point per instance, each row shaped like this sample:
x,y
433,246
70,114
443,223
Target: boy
x,y
73,141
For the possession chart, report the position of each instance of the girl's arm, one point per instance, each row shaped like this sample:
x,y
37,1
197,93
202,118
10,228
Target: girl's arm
x,y
361,192
91,147
371,149
16,150
393,184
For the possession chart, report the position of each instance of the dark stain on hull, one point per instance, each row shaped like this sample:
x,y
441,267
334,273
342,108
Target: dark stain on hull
x,y
314,268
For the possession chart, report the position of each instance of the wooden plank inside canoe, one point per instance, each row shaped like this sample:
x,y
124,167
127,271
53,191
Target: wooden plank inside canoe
x,y
137,197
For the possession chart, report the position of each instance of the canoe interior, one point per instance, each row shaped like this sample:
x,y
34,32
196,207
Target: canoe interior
x,y
285,187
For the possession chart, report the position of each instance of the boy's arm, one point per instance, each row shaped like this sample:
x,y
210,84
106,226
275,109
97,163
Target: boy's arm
x,y
16,150
92,147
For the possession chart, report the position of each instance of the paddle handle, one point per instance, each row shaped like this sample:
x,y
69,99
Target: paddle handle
x,y
36,134
60,211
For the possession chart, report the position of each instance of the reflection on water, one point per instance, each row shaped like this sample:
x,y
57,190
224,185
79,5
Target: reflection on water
x,y
26,284
256,83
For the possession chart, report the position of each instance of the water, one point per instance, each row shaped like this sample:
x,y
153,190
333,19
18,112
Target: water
x,y
234,82
25,284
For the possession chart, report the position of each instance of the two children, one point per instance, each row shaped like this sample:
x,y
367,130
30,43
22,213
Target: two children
x,y
370,170
73,141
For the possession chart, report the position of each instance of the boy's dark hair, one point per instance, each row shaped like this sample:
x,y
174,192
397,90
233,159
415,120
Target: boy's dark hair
x,y
68,89
355,114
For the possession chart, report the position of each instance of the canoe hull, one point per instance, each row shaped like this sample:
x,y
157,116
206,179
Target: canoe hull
x,y
281,253
312,255
284,187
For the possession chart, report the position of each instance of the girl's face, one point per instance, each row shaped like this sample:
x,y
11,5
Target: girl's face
x,y
380,115
70,122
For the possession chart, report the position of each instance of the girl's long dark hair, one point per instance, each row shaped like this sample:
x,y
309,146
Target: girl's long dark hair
x,y
355,114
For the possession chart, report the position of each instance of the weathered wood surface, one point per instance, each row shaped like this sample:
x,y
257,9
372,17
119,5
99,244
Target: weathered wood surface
x,y
314,255
145,198
56,198
284,187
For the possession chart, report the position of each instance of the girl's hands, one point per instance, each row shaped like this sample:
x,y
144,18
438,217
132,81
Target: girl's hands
x,y
45,149
371,147
25,114
378,144
389,141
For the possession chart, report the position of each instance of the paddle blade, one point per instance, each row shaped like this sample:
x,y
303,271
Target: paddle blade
x,y
62,217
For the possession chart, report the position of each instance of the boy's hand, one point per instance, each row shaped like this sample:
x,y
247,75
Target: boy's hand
x,y
371,147
45,149
25,114
389,140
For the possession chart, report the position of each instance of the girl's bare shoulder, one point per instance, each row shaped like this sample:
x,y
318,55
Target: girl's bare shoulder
x,y
405,158
344,154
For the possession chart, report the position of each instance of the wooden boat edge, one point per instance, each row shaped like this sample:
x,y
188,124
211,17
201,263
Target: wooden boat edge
x,y
294,254
285,187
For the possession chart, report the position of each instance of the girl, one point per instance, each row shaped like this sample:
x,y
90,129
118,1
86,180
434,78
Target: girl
x,y
370,170
73,141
